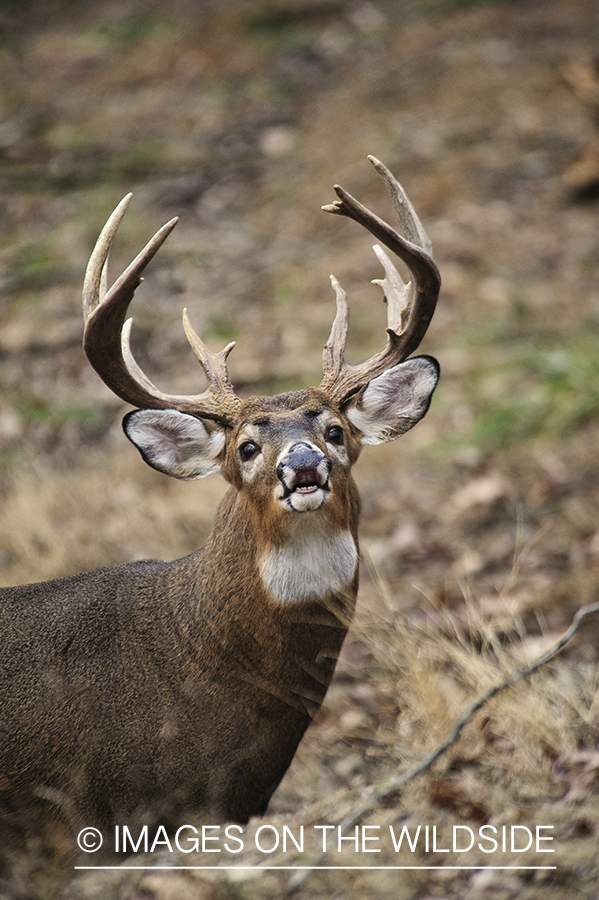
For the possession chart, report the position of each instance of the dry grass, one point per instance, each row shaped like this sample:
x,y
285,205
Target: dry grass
x,y
56,524
526,759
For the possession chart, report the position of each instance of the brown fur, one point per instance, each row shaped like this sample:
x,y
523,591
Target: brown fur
x,y
153,688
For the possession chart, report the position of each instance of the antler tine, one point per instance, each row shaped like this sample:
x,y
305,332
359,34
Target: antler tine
x,y
106,335
398,295
411,225
332,357
94,283
213,364
414,301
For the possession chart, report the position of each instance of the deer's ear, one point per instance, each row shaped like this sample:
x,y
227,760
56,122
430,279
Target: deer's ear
x,y
393,402
176,443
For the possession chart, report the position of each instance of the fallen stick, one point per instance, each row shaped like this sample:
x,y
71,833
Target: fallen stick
x,y
393,785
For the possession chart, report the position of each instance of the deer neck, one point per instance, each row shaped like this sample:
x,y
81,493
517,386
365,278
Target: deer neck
x,y
310,563
273,629
300,558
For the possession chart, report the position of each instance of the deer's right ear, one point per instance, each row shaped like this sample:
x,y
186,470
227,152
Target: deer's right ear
x,y
176,443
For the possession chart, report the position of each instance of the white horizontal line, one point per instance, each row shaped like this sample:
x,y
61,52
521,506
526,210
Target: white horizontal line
x,y
314,868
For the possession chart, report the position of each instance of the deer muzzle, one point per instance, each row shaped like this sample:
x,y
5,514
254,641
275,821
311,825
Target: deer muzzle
x,y
304,476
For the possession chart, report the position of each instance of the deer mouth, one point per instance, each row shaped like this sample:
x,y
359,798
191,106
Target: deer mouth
x,y
307,481
305,490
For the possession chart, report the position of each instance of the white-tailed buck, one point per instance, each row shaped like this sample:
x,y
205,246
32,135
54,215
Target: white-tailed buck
x,y
156,689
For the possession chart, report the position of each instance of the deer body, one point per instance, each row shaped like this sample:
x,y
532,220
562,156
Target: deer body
x,y
159,688
204,711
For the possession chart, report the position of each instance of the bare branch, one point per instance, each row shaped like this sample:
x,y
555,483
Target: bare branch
x,y
394,785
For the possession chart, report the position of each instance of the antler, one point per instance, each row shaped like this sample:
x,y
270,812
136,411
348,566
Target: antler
x,y
410,306
106,335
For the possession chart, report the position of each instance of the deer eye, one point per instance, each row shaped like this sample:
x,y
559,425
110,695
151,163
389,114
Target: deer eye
x,y
335,435
248,450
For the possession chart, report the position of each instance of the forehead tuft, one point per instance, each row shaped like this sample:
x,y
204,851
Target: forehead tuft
x,y
287,402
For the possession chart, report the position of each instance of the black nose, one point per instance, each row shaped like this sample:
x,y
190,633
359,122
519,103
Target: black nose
x,y
303,465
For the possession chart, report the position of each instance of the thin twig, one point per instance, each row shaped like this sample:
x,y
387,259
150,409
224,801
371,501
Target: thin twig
x,y
393,785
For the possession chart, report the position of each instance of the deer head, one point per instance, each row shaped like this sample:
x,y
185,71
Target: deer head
x,y
293,447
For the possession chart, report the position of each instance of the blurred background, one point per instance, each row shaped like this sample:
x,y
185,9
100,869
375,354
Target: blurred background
x,y
481,527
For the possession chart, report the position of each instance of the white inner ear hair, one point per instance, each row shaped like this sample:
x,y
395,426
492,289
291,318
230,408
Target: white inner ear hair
x,y
172,440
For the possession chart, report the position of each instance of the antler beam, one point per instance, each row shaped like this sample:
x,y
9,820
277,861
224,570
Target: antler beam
x,y
410,306
106,335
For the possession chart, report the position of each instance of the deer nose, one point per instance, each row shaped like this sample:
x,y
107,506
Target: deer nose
x,y
303,467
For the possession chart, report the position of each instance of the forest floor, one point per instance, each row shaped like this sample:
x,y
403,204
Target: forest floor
x,y
480,530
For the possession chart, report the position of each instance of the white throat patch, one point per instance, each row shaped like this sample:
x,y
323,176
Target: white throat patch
x,y
316,563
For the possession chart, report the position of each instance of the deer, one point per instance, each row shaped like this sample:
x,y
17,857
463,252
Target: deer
x,y
164,688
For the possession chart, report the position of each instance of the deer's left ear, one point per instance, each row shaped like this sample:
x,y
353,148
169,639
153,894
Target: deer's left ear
x,y
393,402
